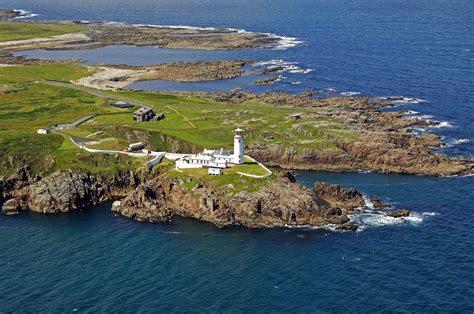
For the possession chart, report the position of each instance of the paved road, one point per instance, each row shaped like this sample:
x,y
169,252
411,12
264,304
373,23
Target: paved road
x,y
97,93
72,125
158,156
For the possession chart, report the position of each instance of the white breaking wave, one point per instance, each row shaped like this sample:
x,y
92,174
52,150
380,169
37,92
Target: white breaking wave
x,y
409,100
274,63
443,124
295,83
350,93
424,117
368,202
401,100
368,219
411,112
454,142
301,71
461,141
24,14
284,42
286,66
459,176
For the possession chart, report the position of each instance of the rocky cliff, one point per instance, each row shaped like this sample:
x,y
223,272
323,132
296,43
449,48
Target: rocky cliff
x,y
146,198
61,192
281,203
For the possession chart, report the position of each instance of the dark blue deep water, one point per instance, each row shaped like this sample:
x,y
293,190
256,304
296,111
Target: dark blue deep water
x,y
93,261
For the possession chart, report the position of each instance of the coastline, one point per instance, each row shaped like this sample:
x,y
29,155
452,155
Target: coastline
x,y
379,141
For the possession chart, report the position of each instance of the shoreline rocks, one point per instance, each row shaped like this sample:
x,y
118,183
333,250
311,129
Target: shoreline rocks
x,y
97,34
268,80
281,203
6,14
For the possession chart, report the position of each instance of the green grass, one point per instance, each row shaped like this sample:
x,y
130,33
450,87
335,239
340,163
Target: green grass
x,y
248,168
215,123
26,104
231,182
24,148
28,107
39,105
19,31
32,73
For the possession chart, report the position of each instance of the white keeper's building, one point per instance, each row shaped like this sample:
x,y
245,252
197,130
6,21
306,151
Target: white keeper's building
x,y
216,158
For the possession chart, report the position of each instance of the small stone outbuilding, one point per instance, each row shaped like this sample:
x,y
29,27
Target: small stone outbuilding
x,y
43,131
143,114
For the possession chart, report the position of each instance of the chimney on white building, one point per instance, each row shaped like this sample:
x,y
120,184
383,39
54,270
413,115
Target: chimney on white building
x,y
238,146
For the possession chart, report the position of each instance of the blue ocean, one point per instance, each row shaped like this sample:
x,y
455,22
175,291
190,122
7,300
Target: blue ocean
x,y
94,261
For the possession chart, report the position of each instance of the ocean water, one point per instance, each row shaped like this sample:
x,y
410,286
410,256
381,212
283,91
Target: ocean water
x,y
95,261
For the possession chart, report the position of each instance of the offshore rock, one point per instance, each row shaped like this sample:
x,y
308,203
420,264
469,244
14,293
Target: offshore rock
x,y
348,227
378,203
398,213
337,196
11,207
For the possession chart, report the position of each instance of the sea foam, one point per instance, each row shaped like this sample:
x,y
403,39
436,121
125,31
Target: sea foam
x,y
350,93
368,219
286,66
24,14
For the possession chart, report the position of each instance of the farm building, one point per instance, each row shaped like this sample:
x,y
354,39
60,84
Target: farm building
x,y
159,117
44,131
296,116
143,114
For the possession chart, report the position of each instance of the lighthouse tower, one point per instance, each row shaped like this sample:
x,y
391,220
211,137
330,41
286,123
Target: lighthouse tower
x,y
238,147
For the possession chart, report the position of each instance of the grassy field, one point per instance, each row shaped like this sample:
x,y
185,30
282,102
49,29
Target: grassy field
x,y
215,123
27,104
20,31
33,73
231,180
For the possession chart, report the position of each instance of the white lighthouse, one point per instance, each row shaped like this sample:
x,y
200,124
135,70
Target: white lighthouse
x,y
238,147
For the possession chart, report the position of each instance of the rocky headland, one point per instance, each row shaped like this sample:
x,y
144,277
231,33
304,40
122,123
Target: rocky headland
x,y
115,77
94,35
386,141
383,141
280,203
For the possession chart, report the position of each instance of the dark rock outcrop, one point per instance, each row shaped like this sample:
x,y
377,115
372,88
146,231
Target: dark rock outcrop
x,y
281,203
62,191
378,203
398,213
9,14
11,207
348,227
337,196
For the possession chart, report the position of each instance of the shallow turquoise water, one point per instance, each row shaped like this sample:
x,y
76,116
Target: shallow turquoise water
x,y
93,261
